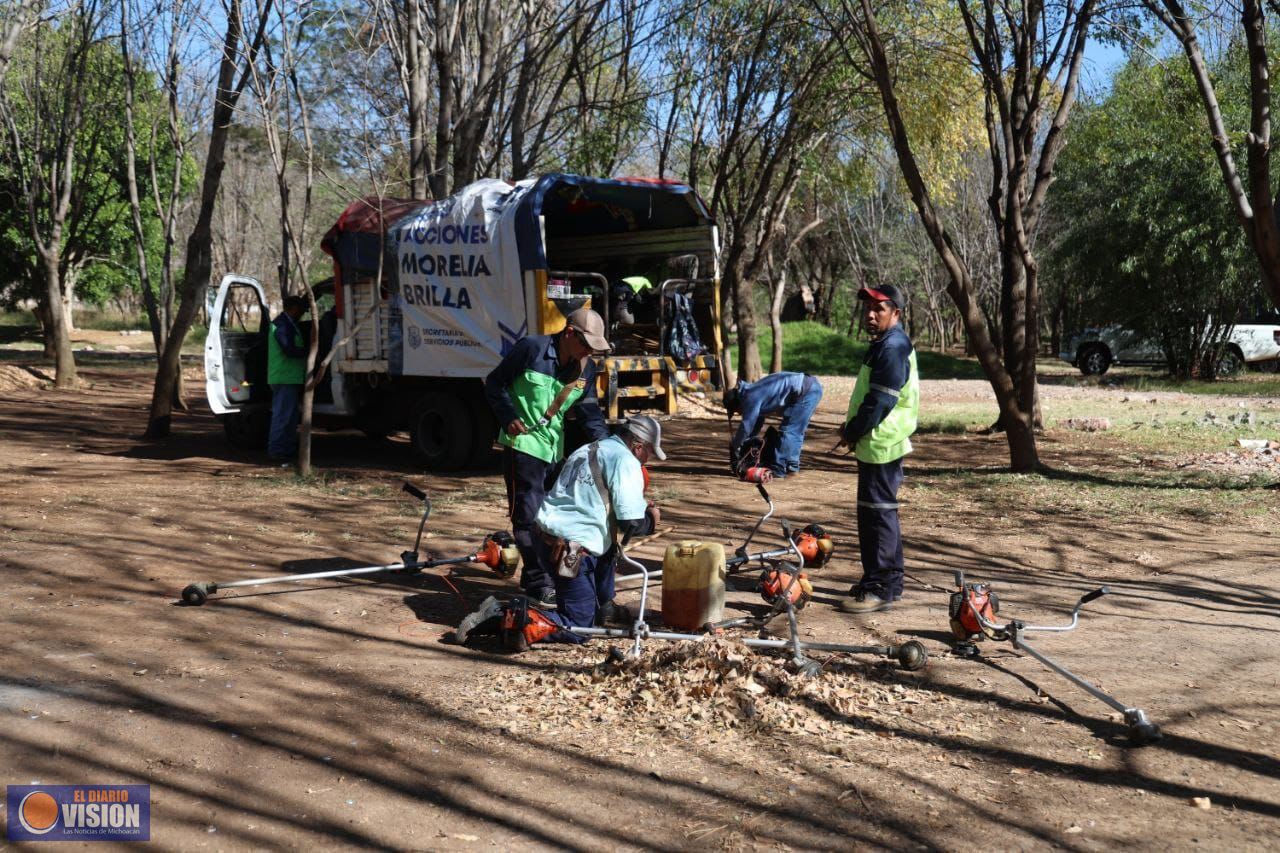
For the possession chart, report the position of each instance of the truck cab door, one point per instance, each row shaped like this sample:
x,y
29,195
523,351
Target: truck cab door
x,y
235,351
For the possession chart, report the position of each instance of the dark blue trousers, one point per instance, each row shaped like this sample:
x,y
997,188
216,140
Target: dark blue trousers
x,y
795,421
528,479
282,442
879,535
578,599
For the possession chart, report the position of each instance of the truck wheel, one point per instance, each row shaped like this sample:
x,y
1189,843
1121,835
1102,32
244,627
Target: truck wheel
x,y
1094,361
1229,364
441,431
377,419
247,430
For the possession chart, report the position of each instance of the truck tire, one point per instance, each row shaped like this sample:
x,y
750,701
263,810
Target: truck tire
x,y
1094,360
441,431
247,430
1230,364
377,419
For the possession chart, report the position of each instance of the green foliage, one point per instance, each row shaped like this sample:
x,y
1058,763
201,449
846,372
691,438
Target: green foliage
x,y
810,347
97,249
1146,239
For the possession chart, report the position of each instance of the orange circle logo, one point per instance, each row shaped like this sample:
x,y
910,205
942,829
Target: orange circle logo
x,y
38,812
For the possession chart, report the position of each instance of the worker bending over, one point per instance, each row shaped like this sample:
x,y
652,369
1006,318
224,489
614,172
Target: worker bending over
x,y
794,396
598,495
881,418
531,389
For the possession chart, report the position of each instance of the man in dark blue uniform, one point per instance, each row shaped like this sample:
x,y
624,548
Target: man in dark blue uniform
x,y
530,391
881,418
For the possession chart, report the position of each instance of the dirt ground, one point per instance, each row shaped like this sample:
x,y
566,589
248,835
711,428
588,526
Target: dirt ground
x,y
339,714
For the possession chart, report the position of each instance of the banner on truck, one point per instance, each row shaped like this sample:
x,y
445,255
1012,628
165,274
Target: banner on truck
x,y
460,289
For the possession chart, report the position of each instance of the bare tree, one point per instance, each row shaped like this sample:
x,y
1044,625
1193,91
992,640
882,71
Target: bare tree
x,y
777,266
493,87
244,37
1028,57
164,143
285,115
756,93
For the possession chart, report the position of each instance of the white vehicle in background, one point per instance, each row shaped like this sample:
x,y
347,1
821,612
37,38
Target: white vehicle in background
x,y
429,296
1093,351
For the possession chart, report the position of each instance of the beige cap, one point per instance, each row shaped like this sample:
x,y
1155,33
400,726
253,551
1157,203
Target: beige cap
x,y
589,324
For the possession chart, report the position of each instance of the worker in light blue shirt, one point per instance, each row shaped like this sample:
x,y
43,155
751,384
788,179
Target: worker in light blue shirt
x,y
598,495
792,395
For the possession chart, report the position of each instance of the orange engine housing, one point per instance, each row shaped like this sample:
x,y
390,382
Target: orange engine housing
x,y
776,585
965,603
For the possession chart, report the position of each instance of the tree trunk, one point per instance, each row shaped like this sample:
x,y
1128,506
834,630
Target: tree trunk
x,y
67,303
1023,456
775,321
1013,304
59,333
1255,207
728,374
41,312
749,367
415,56
199,266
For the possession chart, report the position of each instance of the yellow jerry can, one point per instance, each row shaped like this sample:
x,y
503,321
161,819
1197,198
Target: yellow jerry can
x,y
692,585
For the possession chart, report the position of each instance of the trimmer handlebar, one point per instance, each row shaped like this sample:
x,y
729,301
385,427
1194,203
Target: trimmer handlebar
x,y
413,490
1092,596
1015,626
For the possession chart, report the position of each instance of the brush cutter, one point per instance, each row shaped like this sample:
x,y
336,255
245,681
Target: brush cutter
x,y
497,551
813,542
973,608
785,586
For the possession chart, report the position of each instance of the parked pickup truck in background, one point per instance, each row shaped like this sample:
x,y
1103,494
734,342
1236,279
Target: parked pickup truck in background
x,y
1093,351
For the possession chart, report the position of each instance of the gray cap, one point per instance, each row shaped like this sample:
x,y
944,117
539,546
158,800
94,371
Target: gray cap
x,y
649,431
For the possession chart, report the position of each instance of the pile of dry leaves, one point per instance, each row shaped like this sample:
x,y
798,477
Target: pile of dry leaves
x,y
695,689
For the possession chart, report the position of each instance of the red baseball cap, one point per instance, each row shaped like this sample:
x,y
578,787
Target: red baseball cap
x,y
884,293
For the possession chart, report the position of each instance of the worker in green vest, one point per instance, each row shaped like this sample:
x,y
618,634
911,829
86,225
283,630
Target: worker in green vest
x,y
286,373
541,379
881,418
628,294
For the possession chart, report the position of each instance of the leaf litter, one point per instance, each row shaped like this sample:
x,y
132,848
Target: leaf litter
x,y
701,692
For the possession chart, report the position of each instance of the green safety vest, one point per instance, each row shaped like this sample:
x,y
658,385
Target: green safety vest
x,y
532,394
638,284
892,438
283,369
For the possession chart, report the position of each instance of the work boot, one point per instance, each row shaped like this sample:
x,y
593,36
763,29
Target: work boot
x,y
544,598
489,609
611,613
864,602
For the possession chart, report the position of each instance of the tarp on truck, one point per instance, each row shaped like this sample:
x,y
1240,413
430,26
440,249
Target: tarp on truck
x,y
457,283
455,268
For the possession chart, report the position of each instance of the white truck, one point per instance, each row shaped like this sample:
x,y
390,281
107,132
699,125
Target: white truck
x,y
433,294
1094,350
